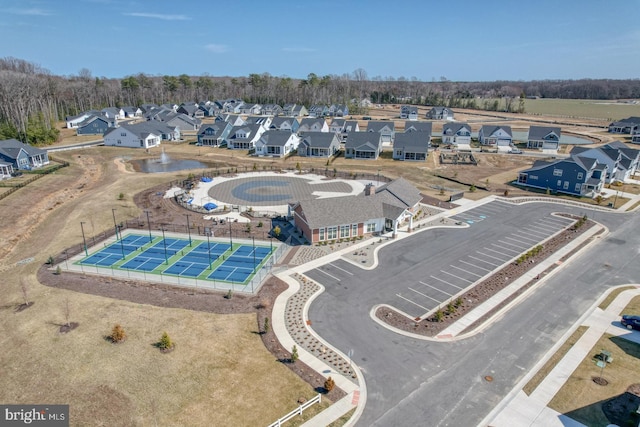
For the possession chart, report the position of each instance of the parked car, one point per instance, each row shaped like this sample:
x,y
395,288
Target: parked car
x,y
515,151
631,322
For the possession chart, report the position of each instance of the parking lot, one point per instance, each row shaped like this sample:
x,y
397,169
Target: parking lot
x,y
426,271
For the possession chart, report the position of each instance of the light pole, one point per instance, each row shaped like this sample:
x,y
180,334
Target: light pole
x,y
115,225
209,250
149,225
230,238
254,253
164,241
66,259
378,176
188,228
83,238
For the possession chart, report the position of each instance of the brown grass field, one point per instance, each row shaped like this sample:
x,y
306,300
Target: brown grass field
x,y
220,372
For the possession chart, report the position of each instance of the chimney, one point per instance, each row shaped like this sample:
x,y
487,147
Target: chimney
x,y
370,190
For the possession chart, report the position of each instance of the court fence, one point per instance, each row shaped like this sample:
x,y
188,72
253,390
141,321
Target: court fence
x,y
252,286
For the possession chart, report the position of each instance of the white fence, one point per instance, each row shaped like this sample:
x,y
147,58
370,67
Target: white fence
x,y
297,411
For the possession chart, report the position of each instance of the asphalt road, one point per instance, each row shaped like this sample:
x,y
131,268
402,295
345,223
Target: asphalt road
x,y
413,382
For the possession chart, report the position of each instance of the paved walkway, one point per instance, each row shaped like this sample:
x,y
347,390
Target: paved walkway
x,y
518,409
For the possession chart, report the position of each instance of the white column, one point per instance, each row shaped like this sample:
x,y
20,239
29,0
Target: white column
x,y
410,223
395,228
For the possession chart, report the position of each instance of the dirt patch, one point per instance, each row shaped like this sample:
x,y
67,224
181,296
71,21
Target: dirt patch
x,y
456,309
24,306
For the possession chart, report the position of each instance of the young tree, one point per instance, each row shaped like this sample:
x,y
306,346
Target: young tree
x,y
118,334
165,342
265,326
277,231
294,354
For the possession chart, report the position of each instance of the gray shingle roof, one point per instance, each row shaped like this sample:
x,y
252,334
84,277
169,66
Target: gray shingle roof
x,y
377,126
11,148
274,138
318,139
537,133
417,127
368,141
412,141
488,130
454,127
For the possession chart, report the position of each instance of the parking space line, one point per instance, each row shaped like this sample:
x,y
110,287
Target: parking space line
x,y
330,275
505,249
437,289
425,295
457,277
546,229
412,302
444,281
554,220
473,265
466,271
490,256
529,234
535,233
511,244
498,252
341,269
481,260
525,238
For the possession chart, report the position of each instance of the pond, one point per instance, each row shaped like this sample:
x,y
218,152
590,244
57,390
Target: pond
x,y
169,165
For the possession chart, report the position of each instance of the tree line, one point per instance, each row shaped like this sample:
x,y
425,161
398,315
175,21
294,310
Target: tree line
x,y
32,99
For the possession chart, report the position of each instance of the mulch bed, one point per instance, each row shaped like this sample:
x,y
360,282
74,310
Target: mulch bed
x,y
483,291
621,410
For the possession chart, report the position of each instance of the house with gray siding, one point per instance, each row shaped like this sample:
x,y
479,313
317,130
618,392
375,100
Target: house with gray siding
x,y
418,127
213,134
440,113
627,126
95,125
318,144
286,124
271,110
337,125
456,133
21,156
74,121
621,161
132,112
363,145
244,137
310,124
412,145
499,136
409,112
133,136
544,137
386,129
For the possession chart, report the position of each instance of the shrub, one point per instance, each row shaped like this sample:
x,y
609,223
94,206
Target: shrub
x,y
58,270
259,224
265,326
121,196
50,260
165,342
472,188
458,302
229,294
329,384
277,231
294,354
450,308
118,334
439,316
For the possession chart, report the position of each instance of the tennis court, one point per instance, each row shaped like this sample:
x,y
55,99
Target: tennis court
x,y
204,260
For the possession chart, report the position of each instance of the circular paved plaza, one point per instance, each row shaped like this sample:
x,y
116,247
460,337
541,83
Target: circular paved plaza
x,y
278,190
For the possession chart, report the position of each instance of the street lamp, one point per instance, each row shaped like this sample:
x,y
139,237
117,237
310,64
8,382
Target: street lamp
x,y
164,241
209,250
115,225
149,225
230,238
188,228
83,239
254,253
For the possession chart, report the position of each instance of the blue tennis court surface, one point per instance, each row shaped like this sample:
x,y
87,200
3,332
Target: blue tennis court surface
x,y
174,256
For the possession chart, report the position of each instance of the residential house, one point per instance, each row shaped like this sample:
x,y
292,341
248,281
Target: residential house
x,y
318,111
351,126
276,143
208,110
170,106
409,112
456,133
6,170
440,113
349,217
337,126
635,136
499,136
628,126
418,127
621,161
271,110
233,106
544,137
576,175
287,124
264,121
629,161
184,122
299,111
141,135
132,112
318,144
338,110
16,155
74,121
386,129
113,113
234,119
145,108
309,124
95,125
249,108
191,110
411,146
244,137
363,145
214,134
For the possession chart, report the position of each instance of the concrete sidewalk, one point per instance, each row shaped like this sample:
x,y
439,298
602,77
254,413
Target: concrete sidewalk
x,y
518,409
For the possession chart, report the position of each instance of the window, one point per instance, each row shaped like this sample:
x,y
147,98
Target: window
x,y
332,233
321,234
578,187
371,227
559,183
344,231
557,172
119,142
580,175
123,134
354,230
566,185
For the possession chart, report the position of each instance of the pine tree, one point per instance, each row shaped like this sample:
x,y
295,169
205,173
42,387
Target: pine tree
x,y
294,354
165,342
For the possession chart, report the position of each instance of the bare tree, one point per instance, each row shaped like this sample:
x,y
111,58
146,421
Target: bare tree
x,y
66,308
25,288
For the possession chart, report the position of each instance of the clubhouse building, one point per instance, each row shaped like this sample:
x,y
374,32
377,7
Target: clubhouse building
x,y
376,210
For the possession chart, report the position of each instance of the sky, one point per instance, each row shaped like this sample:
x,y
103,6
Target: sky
x,y
427,40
